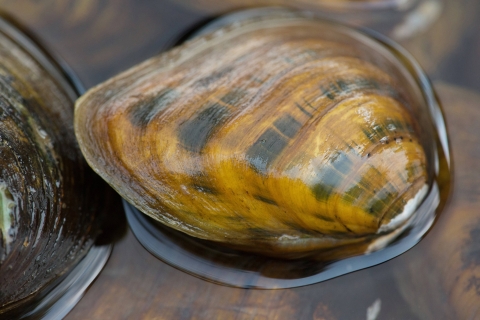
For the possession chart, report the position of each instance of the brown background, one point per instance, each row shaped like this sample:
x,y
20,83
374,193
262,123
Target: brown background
x,y
437,279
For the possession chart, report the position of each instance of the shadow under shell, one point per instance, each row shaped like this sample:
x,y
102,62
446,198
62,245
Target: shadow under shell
x,y
213,262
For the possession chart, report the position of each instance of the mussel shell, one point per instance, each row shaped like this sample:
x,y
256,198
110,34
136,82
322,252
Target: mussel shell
x,y
49,199
231,137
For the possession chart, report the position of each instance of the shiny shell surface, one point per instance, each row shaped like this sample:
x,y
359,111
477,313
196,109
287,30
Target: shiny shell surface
x,y
48,217
278,134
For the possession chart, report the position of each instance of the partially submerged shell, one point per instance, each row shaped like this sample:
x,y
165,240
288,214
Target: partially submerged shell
x,y
48,217
277,134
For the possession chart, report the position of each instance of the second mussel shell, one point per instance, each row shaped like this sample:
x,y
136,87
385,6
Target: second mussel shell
x,y
274,133
50,201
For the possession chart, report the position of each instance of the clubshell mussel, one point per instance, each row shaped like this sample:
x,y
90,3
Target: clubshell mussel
x,y
278,134
49,218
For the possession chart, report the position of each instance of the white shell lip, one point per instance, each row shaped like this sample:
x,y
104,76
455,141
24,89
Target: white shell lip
x,y
5,213
408,211
398,224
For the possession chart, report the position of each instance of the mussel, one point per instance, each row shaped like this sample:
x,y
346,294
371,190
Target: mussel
x,y
49,198
277,133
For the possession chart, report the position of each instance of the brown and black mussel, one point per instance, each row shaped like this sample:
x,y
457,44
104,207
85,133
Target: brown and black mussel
x,y
49,198
279,134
